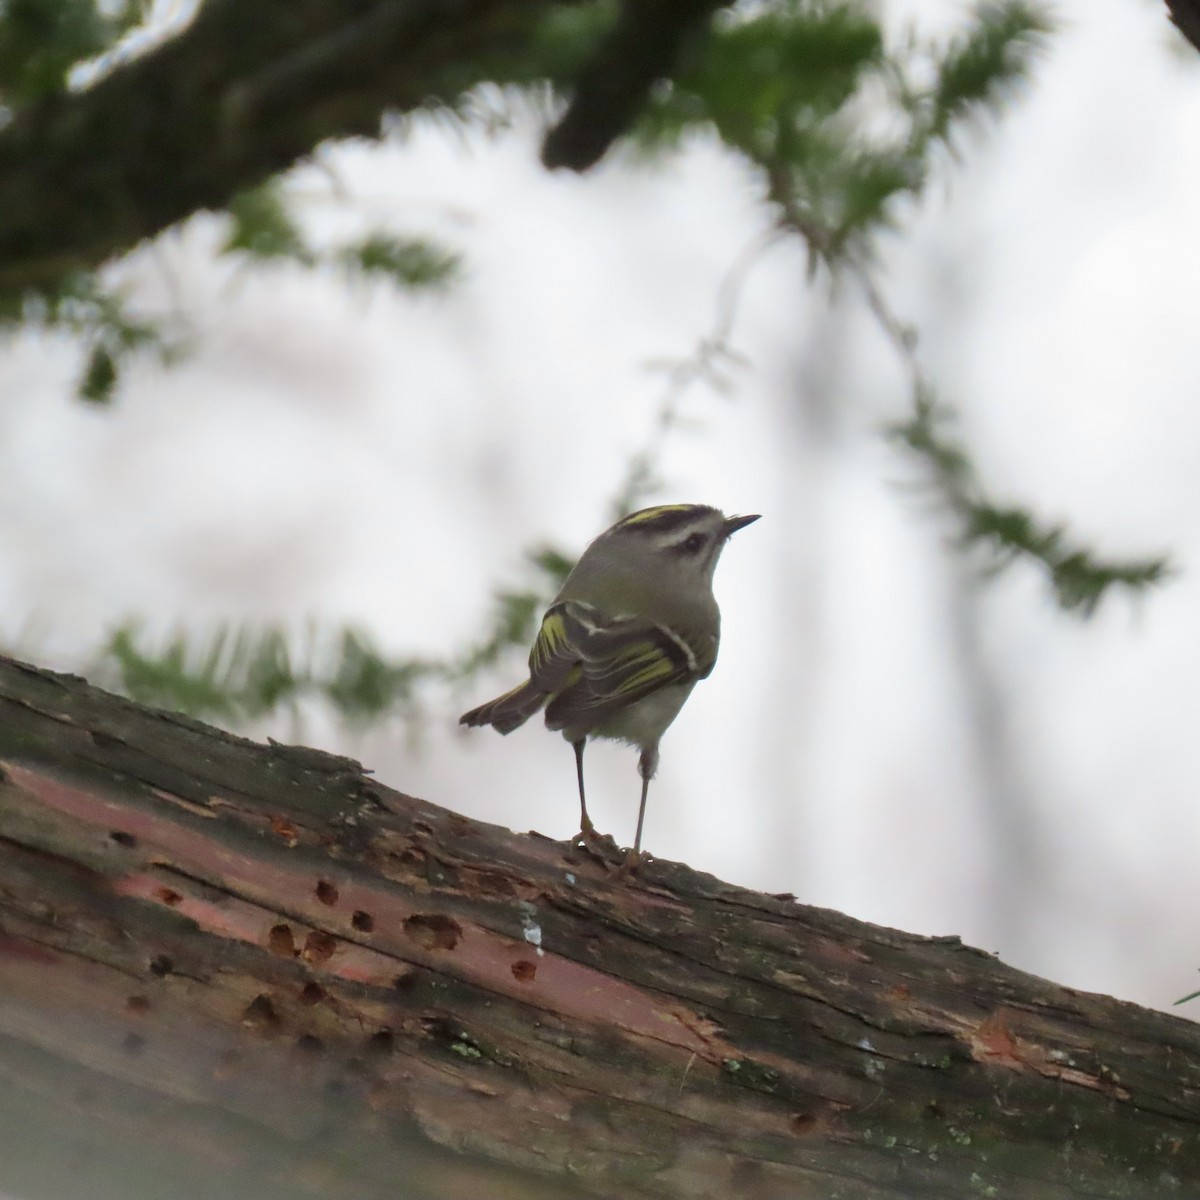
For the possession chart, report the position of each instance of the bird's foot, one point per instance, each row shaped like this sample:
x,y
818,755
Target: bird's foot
x,y
629,865
600,846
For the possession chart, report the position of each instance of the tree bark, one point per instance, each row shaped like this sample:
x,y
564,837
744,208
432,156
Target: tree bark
x,y
230,969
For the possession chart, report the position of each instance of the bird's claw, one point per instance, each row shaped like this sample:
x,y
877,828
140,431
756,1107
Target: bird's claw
x,y
603,848
600,846
633,859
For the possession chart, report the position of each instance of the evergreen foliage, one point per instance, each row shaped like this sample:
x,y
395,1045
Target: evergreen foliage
x,y
261,227
1078,577
415,264
843,131
98,316
42,40
835,121
240,673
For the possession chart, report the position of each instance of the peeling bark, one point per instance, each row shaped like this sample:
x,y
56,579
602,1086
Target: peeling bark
x,y
231,969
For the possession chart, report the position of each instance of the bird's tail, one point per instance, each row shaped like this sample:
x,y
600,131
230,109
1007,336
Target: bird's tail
x,y
507,712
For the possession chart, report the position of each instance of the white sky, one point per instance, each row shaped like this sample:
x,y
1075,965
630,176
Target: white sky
x,y
380,459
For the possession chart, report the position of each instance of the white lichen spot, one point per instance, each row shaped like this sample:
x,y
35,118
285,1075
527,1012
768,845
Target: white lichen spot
x,y
571,878
533,931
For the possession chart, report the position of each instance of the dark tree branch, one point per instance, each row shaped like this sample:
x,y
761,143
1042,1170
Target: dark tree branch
x,y
240,970
242,93
249,88
643,48
1186,15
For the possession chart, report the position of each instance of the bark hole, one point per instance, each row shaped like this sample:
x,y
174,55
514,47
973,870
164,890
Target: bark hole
x,y
433,931
281,942
260,1014
381,1043
319,946
312,993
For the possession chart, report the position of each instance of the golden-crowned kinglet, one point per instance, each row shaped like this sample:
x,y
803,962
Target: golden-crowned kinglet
x,y
632,630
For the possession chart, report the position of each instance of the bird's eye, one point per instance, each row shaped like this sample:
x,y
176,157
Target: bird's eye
x,y
695,543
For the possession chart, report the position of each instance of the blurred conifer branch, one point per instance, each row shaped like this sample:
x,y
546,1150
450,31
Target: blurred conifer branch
x,y
515,613
43,44
1078,577
98,317
841,129
241,672
413,264
711,363
262,230
262,227
839,126
815,86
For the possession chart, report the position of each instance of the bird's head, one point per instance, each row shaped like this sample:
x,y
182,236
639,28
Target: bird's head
x,y
678,543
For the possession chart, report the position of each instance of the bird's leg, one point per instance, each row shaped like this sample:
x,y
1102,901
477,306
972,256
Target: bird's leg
x,y
647,765
587,838
586,828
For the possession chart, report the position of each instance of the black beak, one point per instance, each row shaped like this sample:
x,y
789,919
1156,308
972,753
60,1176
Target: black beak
x,y
733,524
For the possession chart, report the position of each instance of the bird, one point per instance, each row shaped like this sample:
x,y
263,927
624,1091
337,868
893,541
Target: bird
x,y
633,629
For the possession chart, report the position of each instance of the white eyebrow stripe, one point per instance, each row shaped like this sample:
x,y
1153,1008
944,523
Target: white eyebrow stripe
x,y
679,543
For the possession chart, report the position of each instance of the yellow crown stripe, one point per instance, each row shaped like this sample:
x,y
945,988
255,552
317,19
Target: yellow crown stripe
x,y
651,514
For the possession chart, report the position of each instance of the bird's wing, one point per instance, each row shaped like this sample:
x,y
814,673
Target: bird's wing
x,y
594,664
554,661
